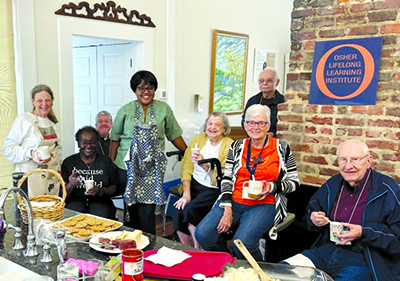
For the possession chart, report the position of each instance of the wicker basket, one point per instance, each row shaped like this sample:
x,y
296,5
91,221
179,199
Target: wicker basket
x,y
54,212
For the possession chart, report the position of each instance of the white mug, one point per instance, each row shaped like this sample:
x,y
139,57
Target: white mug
x,y
43,153
255,187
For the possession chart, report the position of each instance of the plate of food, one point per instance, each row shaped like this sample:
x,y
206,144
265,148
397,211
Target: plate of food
x,y
83,226
119,240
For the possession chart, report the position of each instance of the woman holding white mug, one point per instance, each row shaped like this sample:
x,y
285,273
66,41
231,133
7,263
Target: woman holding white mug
x,y
256,159
28,138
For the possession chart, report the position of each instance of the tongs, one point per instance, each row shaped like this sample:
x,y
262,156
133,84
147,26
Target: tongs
x,y
91,243
251,260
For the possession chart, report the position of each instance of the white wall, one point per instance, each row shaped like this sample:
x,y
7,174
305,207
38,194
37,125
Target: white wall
x,y
181,62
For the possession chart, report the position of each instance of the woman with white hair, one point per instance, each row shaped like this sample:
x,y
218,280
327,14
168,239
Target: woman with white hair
x,y
261,158
200,190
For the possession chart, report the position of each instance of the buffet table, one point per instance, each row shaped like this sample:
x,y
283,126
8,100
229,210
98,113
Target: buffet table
x,y
82,251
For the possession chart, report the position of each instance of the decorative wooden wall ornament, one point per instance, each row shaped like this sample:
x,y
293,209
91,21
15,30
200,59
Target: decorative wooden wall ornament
x,y
107,12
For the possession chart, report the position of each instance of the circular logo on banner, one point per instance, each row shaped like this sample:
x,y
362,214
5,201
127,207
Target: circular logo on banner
x,y
369,65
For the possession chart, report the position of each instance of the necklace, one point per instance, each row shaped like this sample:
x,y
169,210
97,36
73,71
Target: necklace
x,y
358,199
88,164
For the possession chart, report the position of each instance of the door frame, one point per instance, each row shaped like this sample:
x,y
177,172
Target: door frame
x,y
69,26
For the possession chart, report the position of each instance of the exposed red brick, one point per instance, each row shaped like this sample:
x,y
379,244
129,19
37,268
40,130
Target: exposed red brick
x,y
387,64
372,134
391,157
292,118
389,40
383,86
296,128
326,131
315,159
303,13
290,138
385,167
298,108
283,107
360,7
305,76
314,139
297,24
358,109
313,180
393,111
309,45
310,130
384,123
392,135
282,127
312,108
292,76
363,30
382,16
355,132
299,36
301,148
375,110
318,22
327,150
390,28
391,4
296,56
381,144
331,33
361,19
320,120
349,122
388,52
327,109
328,172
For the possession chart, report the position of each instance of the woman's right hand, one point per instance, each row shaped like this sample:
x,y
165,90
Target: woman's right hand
x,y
35,158
73,181
226,220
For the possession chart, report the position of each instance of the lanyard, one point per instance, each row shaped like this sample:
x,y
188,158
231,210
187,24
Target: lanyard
x,y
253,169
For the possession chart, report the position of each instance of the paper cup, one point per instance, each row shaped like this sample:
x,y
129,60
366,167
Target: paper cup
x,y
255,187
193,150
43,153
335,228
89,184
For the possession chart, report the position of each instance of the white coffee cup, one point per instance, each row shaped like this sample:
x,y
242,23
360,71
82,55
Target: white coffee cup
x,y
89,184
193,150
43,153
335,228
255,187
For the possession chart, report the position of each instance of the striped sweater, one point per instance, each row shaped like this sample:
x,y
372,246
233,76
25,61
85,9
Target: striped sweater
x,y
288,179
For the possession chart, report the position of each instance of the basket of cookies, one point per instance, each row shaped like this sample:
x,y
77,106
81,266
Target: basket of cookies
x,y
49,207
83,226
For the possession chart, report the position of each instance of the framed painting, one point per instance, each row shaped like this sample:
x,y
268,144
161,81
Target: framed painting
x,y
228,72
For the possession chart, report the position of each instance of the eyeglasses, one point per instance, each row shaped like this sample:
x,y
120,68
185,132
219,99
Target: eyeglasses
x,y
260,124
352,160
149,89
269,80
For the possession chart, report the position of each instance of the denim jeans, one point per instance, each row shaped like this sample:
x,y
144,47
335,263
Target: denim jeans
x,y
251,222
339,263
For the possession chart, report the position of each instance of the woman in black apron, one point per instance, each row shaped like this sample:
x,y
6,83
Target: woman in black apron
x,y
138,141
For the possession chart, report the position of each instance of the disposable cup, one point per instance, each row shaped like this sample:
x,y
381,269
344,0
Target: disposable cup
x,y
194,150
89,184
335,228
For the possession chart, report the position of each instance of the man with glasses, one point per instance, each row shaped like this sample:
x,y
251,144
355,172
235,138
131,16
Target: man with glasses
x,y
367,203
268,80
103,126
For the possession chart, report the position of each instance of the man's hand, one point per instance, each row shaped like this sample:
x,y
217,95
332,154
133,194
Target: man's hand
x,y
355,231
318,218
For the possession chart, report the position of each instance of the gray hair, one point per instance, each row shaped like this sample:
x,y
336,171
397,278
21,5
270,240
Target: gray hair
x,y
270,69
361,143
103,113
257,109
227,127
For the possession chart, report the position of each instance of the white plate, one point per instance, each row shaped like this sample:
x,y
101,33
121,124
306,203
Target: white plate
x,y
111,235
87,238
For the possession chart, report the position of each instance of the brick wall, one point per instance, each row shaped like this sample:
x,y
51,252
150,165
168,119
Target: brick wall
x,y
314,131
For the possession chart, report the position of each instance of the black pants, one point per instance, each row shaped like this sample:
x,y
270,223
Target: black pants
x,y
142,217
101,208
